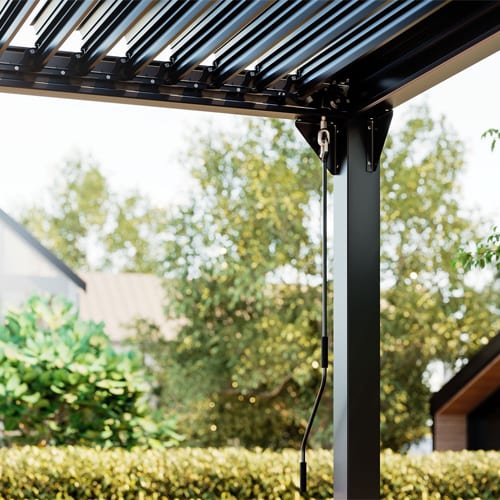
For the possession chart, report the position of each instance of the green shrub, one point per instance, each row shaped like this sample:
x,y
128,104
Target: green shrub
x,y
230,473
209,473
441,475
61,382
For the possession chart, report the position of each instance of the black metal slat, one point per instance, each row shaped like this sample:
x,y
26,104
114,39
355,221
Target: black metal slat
x,y
353,46
60,20
337,18
115,18
211,32
268,29
12,18
169,20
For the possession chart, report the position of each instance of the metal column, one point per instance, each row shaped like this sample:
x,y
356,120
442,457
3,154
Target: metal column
x,y
356,320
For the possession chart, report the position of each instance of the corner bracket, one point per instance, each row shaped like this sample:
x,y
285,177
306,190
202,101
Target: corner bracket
x,y
309,129
376,133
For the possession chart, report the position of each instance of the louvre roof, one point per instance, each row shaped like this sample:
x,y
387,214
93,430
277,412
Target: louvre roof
x,y
263,57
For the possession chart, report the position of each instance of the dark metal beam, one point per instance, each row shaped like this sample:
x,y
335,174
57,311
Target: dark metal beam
x,y
356,321
146,89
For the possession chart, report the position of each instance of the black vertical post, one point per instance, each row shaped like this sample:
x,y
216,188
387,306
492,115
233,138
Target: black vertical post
x,y
356,321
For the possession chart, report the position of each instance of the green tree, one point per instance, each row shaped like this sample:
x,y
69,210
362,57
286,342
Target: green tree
x,y
242,272
61,382
429,315
91,227
243,269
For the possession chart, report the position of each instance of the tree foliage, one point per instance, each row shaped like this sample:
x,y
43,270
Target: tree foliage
x,y
429,315
487,251
61,382
91,227
242,270
483,253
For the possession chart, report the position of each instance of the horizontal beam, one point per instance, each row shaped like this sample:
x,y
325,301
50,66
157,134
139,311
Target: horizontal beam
x,y
102,84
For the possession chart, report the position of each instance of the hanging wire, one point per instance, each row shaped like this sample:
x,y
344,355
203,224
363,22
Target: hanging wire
x,y
323,141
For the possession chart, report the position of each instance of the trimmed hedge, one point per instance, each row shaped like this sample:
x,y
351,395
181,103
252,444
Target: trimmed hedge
x,y
81,473
441,475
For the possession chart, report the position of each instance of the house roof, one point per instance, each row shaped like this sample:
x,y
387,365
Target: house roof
x,y
263,57
119,299
36,245
479,378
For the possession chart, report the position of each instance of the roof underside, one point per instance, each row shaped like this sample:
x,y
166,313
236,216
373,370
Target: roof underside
x,y
472,384
262,57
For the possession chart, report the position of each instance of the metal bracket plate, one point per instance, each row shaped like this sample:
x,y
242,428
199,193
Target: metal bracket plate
x,y
377,128
338,145
376,133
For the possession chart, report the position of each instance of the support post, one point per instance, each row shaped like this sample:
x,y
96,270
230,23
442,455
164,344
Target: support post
x,y
356,321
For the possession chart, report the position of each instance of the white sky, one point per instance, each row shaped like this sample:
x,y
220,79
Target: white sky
x,y
142,147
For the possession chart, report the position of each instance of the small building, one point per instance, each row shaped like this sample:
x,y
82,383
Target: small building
x,y
28,268
118,300
466,411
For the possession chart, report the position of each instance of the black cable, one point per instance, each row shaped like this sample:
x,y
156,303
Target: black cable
x,y
324,330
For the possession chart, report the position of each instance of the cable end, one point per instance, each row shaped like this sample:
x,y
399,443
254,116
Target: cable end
x,y
303,477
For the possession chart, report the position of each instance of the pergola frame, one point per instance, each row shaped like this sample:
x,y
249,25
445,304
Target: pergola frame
x,y
351,61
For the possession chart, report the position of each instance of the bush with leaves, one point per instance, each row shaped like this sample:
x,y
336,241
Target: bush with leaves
x,y
62,382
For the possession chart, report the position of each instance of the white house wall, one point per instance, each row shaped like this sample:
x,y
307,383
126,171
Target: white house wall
x,y
24,272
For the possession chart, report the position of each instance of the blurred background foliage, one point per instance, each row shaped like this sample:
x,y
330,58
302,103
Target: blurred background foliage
x,y
240,262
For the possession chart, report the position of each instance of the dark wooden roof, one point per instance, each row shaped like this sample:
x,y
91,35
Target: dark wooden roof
x,y
479,378
284,58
